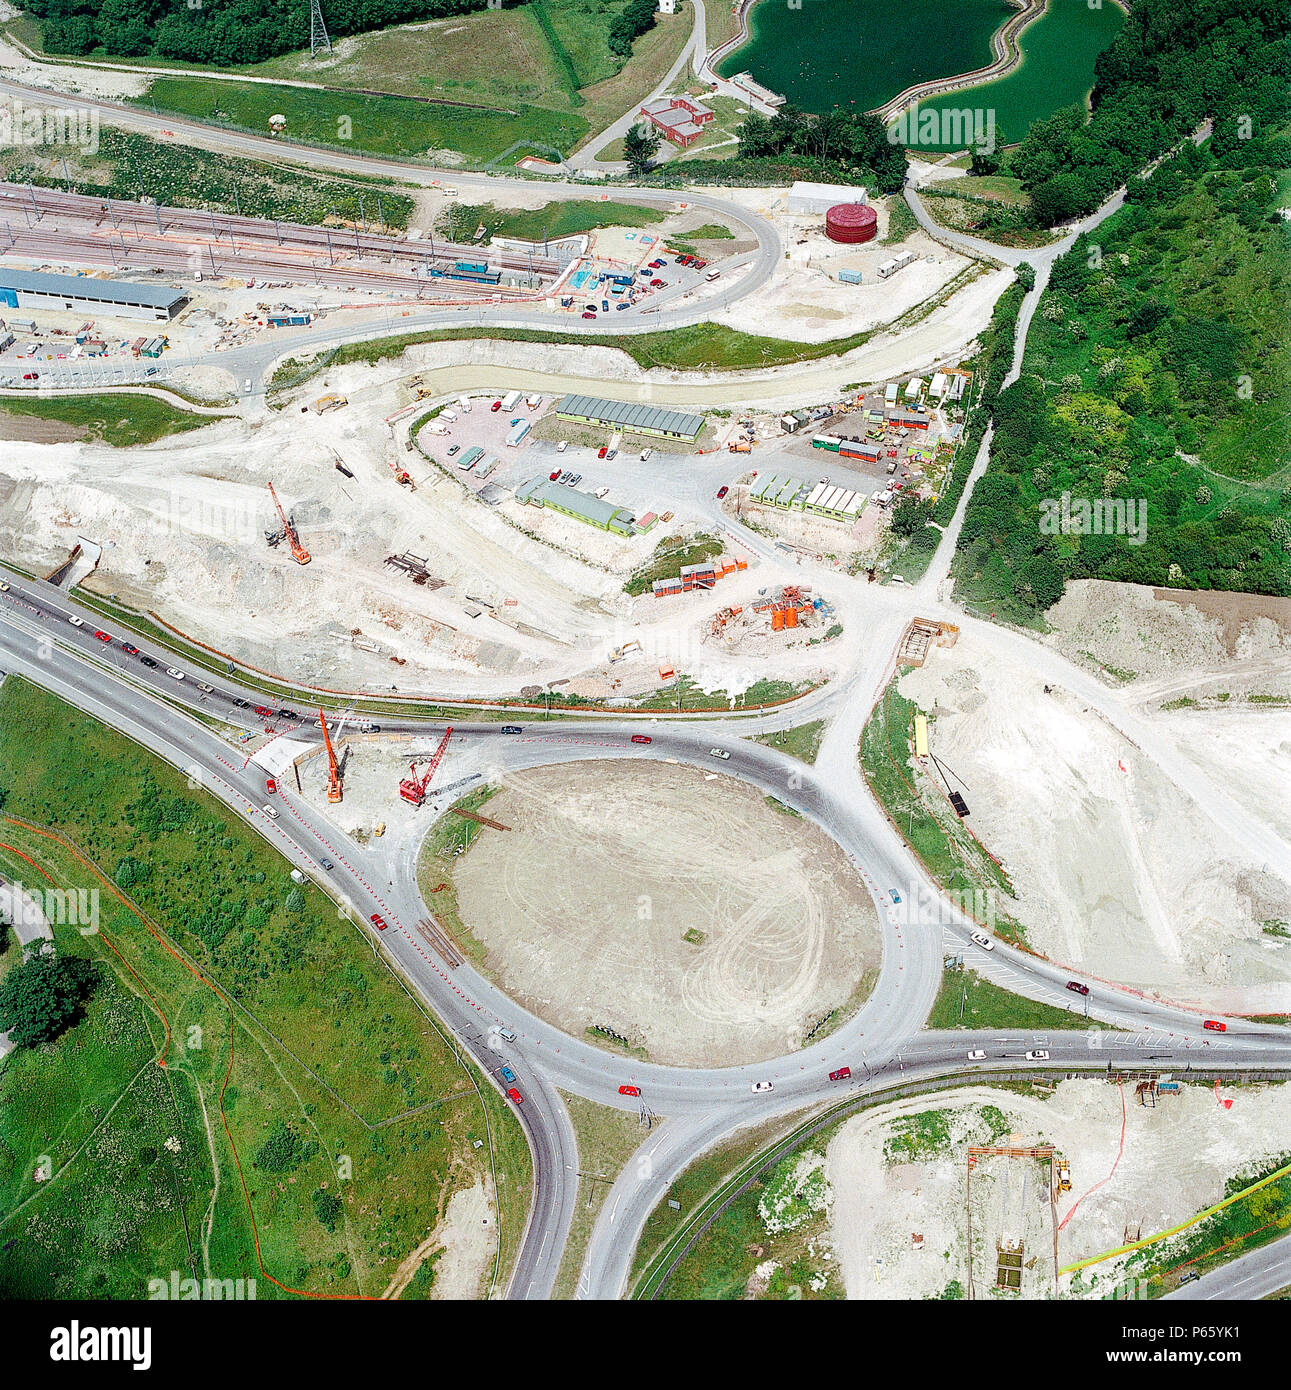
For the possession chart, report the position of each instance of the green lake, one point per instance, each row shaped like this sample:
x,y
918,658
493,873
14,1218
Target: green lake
x,y
844,53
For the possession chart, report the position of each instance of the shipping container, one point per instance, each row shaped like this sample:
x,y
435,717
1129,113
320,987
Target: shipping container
x,y
826,441
850,277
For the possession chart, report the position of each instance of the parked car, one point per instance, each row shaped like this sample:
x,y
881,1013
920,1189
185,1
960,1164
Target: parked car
x,y
562,446
378,921
722,491
611,456
103,636
563,477
454,449
590,307
658,284
641,738
602,451
605,305
841,1074
894,895
513,1094
31,376
629,1090
1213,1025
4,588
271,786
507,1074
148,662
984,941
1076,987
496,406
174,673
554,475
241,704
1038,1055
75,621
129,650
657,262
718,753
977,1055
270,812
759,1086
602,493
512,729
575,479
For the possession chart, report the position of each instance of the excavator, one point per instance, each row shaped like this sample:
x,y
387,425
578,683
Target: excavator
x,y
413,788
298,551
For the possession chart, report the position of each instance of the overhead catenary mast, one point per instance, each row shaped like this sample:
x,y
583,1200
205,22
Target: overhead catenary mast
x,y
317,30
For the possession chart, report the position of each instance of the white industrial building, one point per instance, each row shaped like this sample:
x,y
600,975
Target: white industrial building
x,y
820,197
32,289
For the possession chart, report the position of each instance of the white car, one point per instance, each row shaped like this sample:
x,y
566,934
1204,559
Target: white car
x,y
984,941
4,588
1039,1056
718,753
977,1056
173,674
762,1086
602,492
75,621
270,812
562,446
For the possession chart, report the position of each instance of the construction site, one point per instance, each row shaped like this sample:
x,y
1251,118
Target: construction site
x,y
990,1194
673,910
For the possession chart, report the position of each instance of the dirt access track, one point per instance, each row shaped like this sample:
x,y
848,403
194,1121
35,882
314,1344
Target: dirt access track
x,y
584,906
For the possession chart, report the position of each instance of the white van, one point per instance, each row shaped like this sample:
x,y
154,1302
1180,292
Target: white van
x,y
562,446
645,455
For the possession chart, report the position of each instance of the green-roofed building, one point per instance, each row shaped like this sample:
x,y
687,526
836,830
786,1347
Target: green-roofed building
x,y
655,420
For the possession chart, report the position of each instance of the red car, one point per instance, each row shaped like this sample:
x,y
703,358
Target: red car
x,y
103,636
129,650
629,1090
1214,1026
721,492
553,475
657,284
640,738
271,786
496,406
602,451
378,921
513,1094
698,265
587,314
841,1074
1076,987
263,712
31,376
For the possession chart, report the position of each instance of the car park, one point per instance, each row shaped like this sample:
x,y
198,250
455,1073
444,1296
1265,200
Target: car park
x,y
1213,1025
977,1055
629,1090
1076,987
103,636
981,939
722,491
506,1073
512,729
641,738
270,812
760,1086
718,753
841,1074
378,921
513,1094
1038,1055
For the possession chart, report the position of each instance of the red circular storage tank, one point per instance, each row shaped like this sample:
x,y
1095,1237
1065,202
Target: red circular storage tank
x,y
851,222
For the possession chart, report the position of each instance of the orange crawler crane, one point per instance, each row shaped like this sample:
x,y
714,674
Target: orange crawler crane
x,y
413,788
298,551
335,792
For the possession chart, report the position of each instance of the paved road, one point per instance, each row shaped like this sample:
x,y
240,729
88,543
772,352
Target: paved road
x,y
1256,1275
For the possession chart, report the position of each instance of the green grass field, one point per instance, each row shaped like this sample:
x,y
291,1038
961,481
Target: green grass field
x,y
275,1020
965,1000
669,556
556,219
121,419
801,742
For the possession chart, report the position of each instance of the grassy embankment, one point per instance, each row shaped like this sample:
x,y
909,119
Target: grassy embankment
x,y
306,1097
122,419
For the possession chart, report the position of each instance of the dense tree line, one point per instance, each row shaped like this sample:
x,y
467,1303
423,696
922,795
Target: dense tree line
x,y
1170,68
628,25
220,32
837,137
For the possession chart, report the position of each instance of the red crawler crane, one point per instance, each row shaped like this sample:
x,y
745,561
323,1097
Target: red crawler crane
x,y
413,788
335,792
298,551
